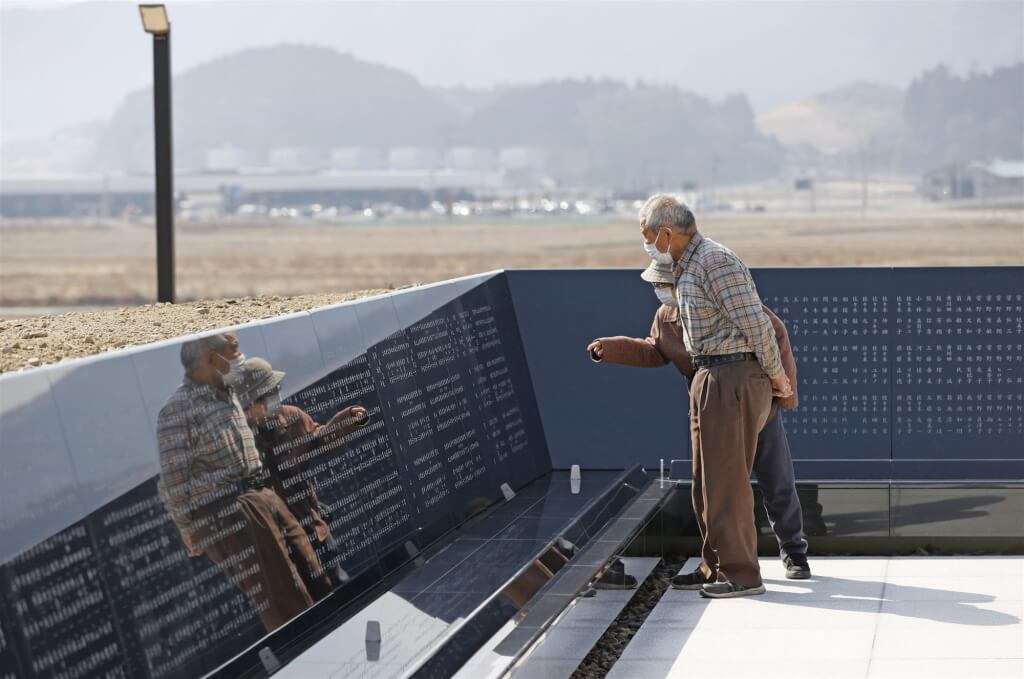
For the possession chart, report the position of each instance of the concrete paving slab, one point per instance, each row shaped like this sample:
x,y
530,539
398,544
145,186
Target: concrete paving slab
x,y
857,617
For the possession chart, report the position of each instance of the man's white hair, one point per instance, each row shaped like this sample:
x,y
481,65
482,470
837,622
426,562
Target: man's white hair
x,y
193,350
661,209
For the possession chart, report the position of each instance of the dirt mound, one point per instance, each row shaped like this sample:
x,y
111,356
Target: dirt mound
x,y
31,342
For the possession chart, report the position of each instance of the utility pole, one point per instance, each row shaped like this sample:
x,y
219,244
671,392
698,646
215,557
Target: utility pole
x,y
863,185
154,22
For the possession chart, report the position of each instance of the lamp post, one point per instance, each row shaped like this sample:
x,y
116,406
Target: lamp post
x,y
154,22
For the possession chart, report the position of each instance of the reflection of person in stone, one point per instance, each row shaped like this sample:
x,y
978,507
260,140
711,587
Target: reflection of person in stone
x,y
211,481
288,439
773,464
733,347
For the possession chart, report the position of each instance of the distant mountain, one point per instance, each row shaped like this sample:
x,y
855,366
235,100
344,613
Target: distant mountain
x,y
596,131
280,96
838,121
940,118
950,118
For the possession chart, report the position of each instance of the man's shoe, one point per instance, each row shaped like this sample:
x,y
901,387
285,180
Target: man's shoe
x,y
694,580
729,590
797,567
613,579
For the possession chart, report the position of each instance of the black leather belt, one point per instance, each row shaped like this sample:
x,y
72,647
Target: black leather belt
x,y
711,361
250,483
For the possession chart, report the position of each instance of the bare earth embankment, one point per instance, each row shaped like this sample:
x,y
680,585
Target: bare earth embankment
x,y
82,263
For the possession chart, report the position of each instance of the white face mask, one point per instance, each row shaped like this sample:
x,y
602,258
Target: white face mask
x,y
660,257
665,296
273,403
234,370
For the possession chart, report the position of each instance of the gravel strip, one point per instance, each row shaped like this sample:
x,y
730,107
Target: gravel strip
x,y
32,342
609,647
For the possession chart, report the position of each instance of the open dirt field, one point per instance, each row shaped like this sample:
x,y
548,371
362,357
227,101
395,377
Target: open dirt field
x,y
83,263
245,272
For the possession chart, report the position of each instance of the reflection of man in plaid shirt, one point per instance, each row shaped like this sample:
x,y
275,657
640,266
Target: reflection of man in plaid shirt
x,y
733,347
211,481
205,445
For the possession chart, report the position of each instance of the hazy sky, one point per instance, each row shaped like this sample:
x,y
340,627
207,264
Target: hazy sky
x,y
65,63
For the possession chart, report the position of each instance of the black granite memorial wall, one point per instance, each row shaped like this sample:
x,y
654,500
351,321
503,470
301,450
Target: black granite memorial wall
x,y
905,375
451,418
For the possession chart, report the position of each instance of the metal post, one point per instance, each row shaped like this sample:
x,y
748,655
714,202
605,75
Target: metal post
x,y
163,153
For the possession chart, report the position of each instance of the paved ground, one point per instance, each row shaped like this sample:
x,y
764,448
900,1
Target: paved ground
x,y
858,617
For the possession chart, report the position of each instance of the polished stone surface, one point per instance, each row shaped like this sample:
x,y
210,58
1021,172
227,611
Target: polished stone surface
x,y
39,493
857,617
453,582
92,567
905,373
976,511
107,430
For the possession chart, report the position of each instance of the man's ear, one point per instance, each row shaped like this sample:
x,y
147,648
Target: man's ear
x,y
211,361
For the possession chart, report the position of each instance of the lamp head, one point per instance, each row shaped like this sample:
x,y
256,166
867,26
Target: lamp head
x,y
154,19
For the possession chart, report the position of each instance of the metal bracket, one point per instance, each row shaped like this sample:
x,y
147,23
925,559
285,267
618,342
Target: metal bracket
x,y
270,662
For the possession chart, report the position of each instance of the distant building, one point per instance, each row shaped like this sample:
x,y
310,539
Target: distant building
x,y
570,167
201,195
296,159
414,158
472,158
228,158
519,158
997,180
353,158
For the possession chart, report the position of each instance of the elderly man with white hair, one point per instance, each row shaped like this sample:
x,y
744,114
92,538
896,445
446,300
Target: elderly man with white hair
x,y
773,464
739,370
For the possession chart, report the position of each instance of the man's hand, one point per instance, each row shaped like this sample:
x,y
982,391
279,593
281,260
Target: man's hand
x,y
359,414
781,386
191,546
596,350
354,415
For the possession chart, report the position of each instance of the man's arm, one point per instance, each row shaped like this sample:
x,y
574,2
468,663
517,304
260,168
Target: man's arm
x,y
632,351
343,423
786,354
172,435
730,283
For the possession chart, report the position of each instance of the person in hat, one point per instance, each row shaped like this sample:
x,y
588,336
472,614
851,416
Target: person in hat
x,y
773,464
212,482
287,438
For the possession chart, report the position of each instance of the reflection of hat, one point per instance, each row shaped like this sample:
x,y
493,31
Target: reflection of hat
x,y
659,273
257,379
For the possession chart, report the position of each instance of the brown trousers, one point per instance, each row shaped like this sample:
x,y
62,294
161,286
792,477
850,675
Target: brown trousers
x,y
729,405
261,547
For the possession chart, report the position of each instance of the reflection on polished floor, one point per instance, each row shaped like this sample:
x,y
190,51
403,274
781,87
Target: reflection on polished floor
x,y
857,617
452,583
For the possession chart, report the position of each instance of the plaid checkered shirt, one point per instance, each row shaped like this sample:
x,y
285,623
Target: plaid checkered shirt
x,y
719,308
206,447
